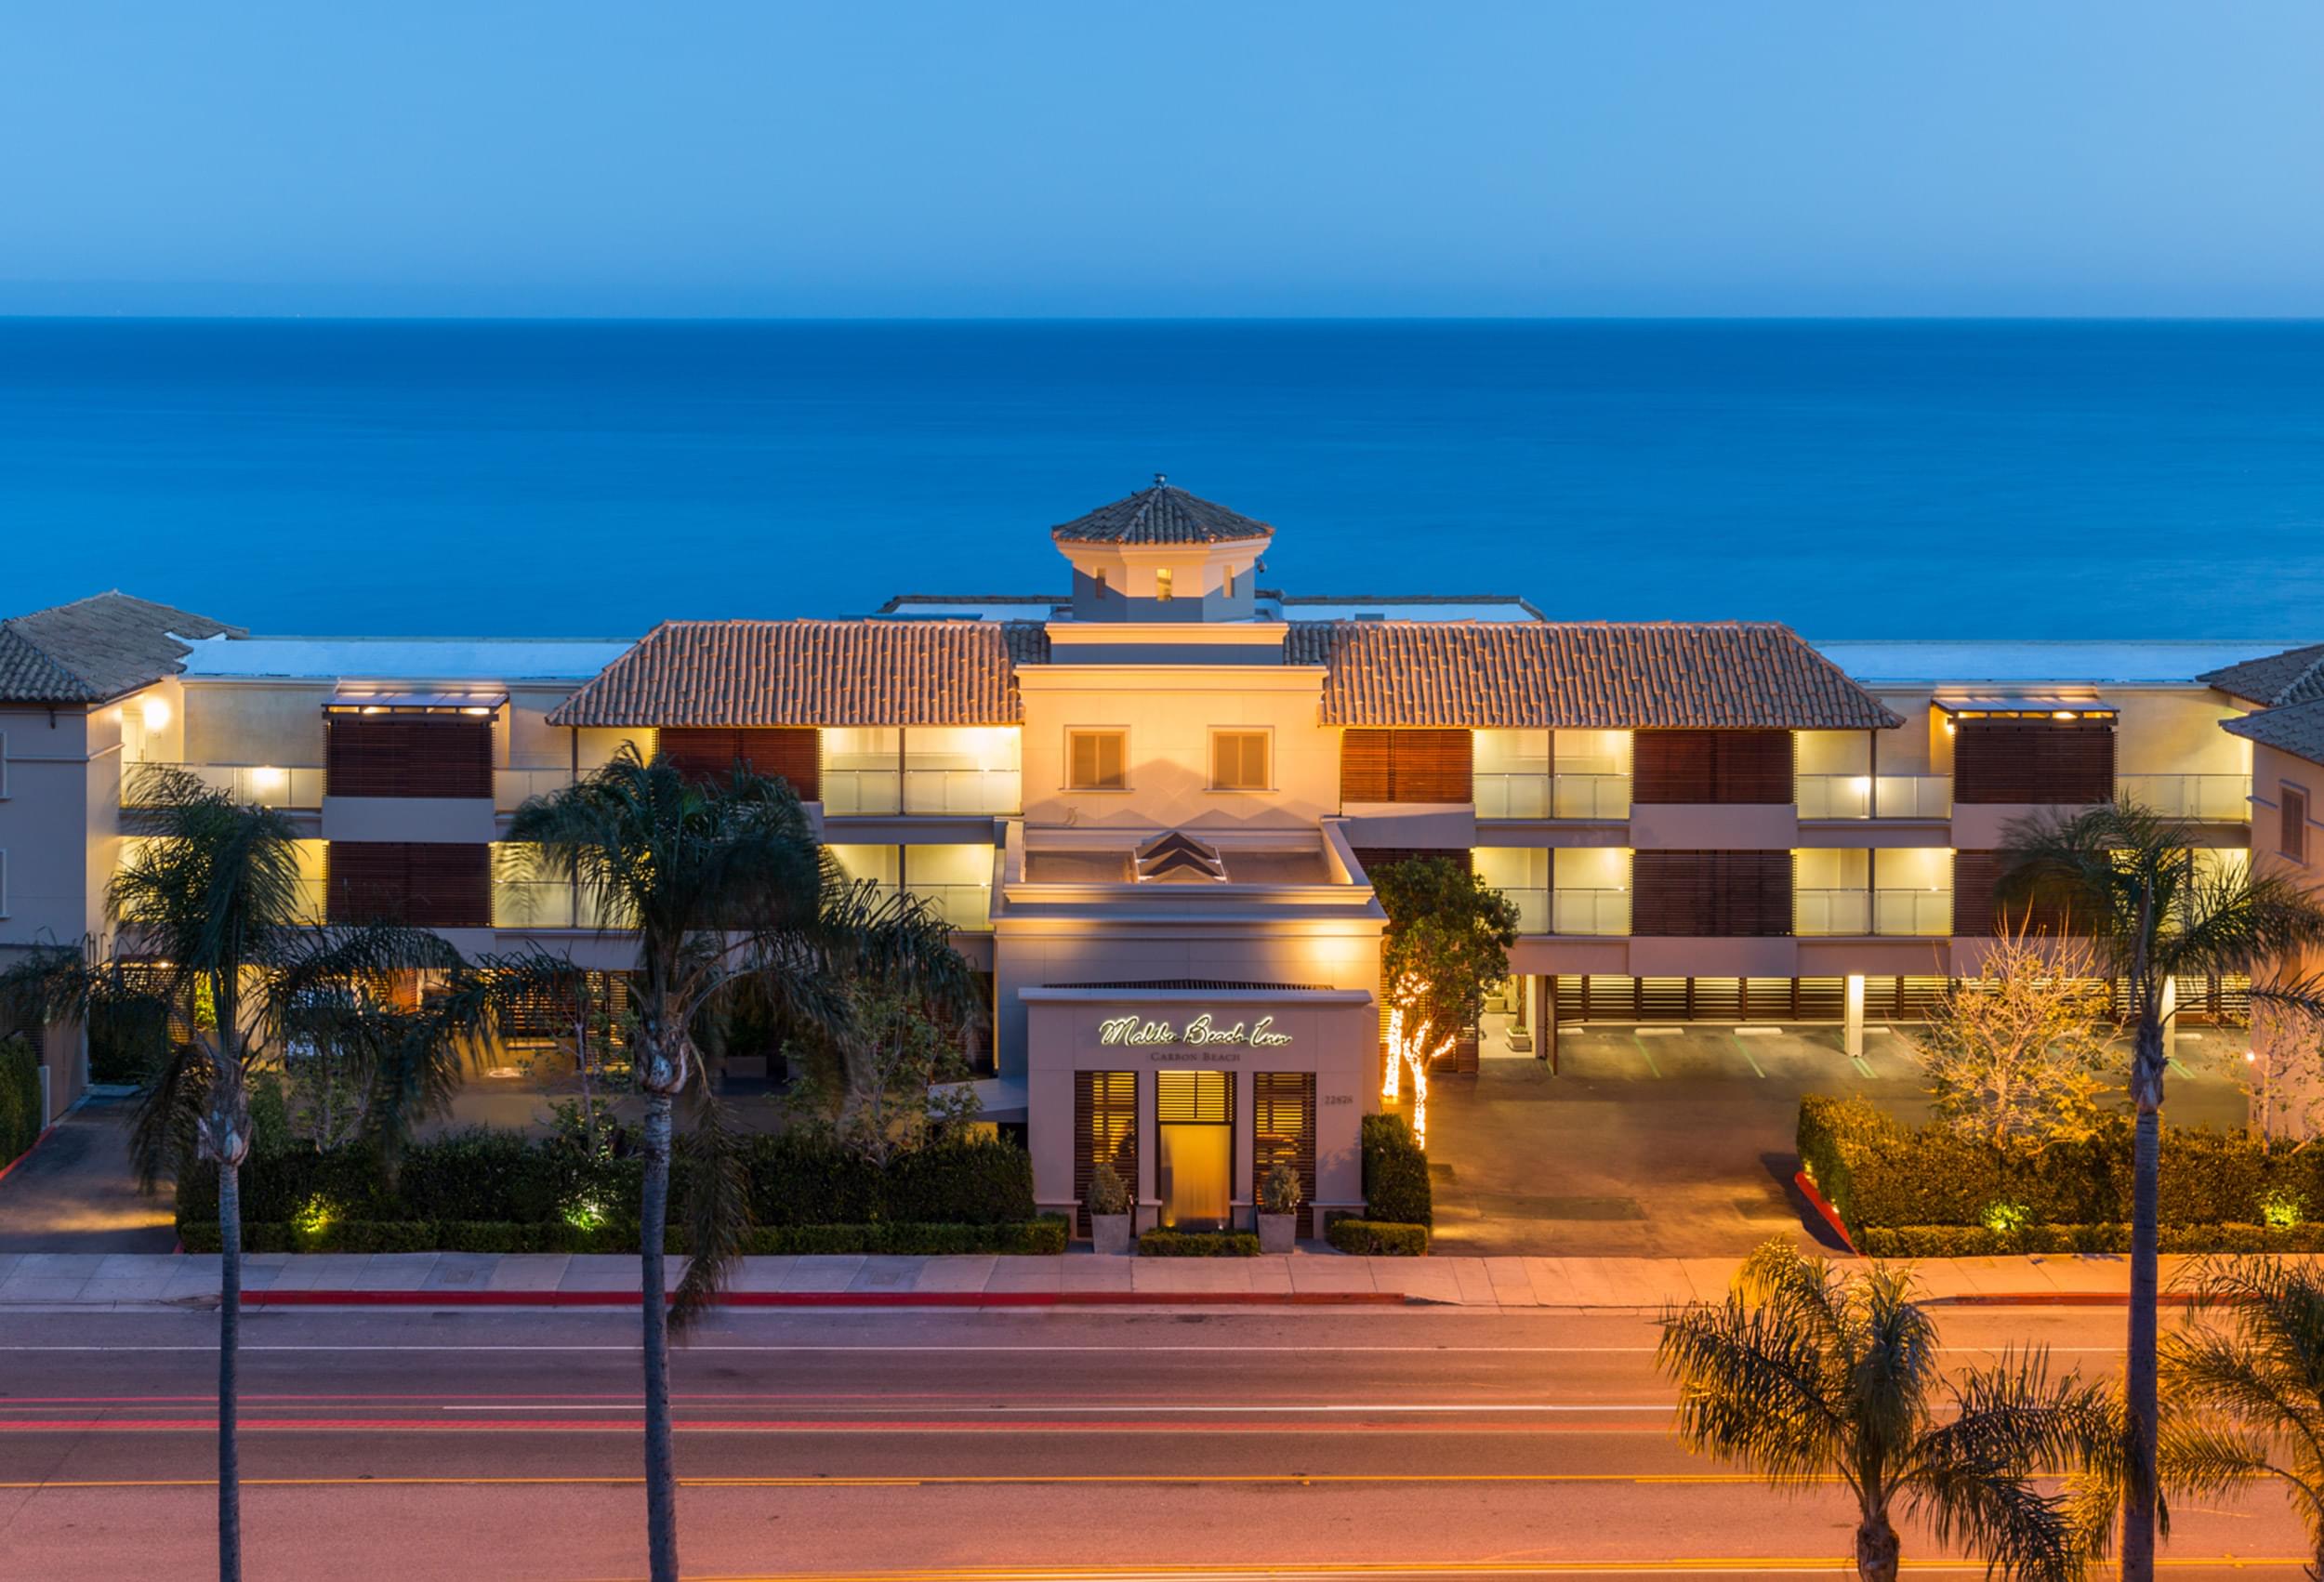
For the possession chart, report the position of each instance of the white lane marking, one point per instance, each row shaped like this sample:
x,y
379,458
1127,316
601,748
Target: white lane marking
x,y
1178,1407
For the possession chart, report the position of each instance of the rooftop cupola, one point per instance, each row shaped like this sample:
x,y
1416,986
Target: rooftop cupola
x,y
1162,555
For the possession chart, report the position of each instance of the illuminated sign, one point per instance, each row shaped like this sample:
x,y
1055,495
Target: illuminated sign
x,y
1195,1034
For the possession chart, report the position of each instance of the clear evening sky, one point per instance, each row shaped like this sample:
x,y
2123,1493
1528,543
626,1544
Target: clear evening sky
x,y
1005,157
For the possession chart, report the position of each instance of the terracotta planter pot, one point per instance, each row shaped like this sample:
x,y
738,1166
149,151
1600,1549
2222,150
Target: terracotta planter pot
x,y
1109,1233
1278,1232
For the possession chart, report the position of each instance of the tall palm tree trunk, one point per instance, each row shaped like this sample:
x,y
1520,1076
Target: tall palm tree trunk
x,y
661,1478
1876,1548
228,1383
2142,1418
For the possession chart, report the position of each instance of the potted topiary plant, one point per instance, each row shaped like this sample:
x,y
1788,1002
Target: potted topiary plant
x,y
1109,1210
1279,1197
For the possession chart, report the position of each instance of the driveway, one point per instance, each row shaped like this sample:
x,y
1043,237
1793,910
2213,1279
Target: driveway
x,y
1678,1141
77,1193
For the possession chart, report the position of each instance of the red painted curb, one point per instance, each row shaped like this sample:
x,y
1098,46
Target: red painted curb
x,y
30,1150
1832,1215
830,1298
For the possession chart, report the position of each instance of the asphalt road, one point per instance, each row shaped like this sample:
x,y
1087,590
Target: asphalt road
x,y
1292,1445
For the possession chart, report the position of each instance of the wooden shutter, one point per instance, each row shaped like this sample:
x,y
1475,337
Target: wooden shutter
x,y
1979,912
1706,767
787,753
1105,1127
2292,836
1405,766
1711,894
392,755
1283,1118
2049,761
426,883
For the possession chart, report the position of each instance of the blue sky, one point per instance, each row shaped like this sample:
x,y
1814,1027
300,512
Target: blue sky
x,y
1027,159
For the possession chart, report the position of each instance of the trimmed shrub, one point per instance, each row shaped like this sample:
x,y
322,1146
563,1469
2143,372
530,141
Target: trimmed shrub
x,y
1042,1235
1377,1238
1976,1241
1879,1173
20,1119
797,1181
1395,1173
1198,1243
1045,1235
966,1182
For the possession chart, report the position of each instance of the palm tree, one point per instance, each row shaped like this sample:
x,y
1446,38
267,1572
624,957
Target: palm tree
x,y
729,894
1803,1375
2130,881
213,938
2247,1400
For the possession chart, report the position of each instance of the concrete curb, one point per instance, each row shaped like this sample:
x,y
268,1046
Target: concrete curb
x,y
836,1299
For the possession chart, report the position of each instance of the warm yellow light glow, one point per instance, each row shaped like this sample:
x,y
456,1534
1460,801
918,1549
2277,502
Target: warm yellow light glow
x,y
156,712
1162,585
1410,1049
2062,714
266,778
476,711
373,708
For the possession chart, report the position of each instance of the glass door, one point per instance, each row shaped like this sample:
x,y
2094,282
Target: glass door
x,y
1194,1170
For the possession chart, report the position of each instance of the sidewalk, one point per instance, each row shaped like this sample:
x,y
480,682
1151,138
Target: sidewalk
x,y
555,1279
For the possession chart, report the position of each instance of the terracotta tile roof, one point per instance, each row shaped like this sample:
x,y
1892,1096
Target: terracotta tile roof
x,y
2294,676
95,648
1579,675
812,673
1163,514
2297,729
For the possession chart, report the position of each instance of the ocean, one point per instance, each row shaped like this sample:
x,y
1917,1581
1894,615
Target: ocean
x,y
1853,479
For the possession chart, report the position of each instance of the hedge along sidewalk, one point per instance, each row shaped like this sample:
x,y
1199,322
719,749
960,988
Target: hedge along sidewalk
x,y
610,1279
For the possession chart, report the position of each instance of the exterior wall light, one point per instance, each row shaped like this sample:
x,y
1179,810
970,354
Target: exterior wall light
x,y
157,711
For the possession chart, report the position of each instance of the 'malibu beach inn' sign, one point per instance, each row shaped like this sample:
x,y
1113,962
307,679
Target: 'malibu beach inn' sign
x,y
1204,1031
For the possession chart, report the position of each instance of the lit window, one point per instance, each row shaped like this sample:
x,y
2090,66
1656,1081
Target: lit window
x,y
1097,760
1238,760
2295,840
1162,585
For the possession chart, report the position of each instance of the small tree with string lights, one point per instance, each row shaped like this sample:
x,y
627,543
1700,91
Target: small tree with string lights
x,y
1447,942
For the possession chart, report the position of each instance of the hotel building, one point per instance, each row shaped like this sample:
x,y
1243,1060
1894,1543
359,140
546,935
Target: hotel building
x,y
1148,805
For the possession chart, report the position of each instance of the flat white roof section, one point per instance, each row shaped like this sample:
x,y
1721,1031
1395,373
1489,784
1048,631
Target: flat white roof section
x,y
1931,662
403,659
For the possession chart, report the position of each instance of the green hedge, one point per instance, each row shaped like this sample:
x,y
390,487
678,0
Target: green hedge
x,y
19,1098
1198,1243
1975,1241
1377,1238
480,1176
1879,1173
1395,1173
1043,1235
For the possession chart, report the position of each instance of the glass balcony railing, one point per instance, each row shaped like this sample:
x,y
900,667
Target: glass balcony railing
x,y
1913,913
265,786
1590,911
2219,799
847,791
514,788
1817,913
963,790
533,904
962,906
1500,796
1533,907
1867,796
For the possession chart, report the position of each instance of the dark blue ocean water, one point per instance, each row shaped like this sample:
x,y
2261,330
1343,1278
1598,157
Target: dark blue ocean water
x,y
1855,478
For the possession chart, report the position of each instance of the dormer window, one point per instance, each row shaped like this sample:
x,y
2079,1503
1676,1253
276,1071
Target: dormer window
x,y
1162,585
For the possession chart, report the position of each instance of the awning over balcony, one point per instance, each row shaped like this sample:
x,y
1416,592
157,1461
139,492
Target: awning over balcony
x,y
387,701
2030,706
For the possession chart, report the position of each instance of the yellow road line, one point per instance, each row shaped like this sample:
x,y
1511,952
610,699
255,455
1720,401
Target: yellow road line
x,y
909,1481
1324,1572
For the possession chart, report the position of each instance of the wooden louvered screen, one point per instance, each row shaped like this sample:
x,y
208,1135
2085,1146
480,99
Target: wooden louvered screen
x,y
407,755
1105,1127
1711,894
1711,766
2033,761
781,752
1980,913
427,884
1404,766
1283,1118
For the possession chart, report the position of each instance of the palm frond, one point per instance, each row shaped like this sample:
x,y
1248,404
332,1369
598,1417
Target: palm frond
x,y
1751,1390
718,1207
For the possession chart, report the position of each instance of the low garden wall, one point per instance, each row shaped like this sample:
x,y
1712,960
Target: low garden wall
x,y
1929,1192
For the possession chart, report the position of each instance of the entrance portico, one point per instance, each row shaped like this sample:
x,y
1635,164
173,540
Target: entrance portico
x,y
1193,1091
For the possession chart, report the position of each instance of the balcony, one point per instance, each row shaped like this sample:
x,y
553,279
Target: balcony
x,y
1522,796
962,791
1533,907
264,785
1601,911
849,791
2215,799
514,788
1912,914
1857,914
1822,913
967,907
1865,796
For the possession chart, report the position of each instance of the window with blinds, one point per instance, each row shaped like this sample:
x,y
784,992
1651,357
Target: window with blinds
x,y
2292,839
1105,1127
413,754
426,883
785,753
1097,760
1238,760
2049,761
1711,894
1980,911
1711,767
1405,766
1283,1121
1201,1097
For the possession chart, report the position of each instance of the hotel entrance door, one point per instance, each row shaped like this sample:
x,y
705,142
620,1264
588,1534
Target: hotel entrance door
x,y
1194,1112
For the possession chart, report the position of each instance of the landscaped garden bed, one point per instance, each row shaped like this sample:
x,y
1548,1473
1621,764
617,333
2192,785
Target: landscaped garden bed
x,y
1930,1191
